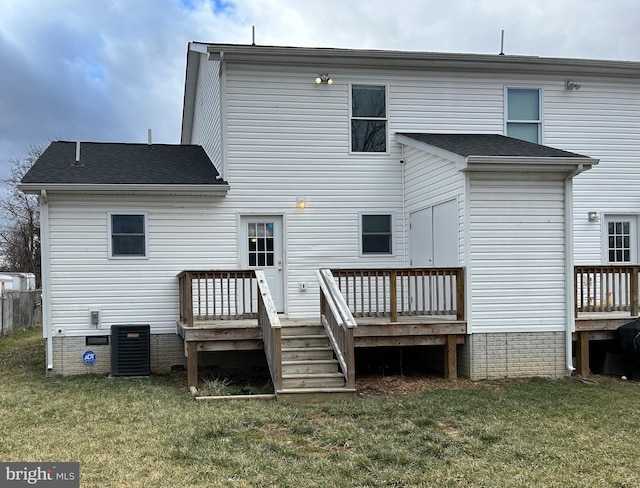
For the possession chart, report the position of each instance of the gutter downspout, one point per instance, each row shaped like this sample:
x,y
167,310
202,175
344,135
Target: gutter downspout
x,y
47,326
568,265
404,208
222,74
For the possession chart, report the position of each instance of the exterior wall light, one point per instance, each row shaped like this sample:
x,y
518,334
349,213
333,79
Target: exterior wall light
x,y
593,216
301,202
571,85
324,78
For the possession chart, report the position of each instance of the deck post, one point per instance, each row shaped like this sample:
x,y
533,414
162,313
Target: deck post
x,y
192,364
582,353
460,312
450,358
189,297
350,359
393,298
633,291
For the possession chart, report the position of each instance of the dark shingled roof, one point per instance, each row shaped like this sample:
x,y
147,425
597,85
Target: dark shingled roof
x,y
106,163
489,145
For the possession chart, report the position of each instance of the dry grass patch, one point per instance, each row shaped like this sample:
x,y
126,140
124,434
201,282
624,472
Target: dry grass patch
x,y
141,433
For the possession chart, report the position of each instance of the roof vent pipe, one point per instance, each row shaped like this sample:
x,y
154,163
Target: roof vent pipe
x,y
149,136
78,151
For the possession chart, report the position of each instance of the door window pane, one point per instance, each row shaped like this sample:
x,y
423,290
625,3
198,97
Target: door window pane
x,y
260,247
619,241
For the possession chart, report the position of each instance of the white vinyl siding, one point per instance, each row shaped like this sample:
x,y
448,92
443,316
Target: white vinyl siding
x,y
288,138
207,123
517,254
601,120
430,181
183,234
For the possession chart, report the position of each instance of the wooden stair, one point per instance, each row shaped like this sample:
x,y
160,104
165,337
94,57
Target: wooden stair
x,y
309,370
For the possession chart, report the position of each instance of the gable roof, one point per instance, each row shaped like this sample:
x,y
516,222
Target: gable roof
x,y
105,164
484,150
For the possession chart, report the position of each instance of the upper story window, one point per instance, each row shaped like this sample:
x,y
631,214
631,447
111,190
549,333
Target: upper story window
x,y
523,114
128,235
376,234
368,118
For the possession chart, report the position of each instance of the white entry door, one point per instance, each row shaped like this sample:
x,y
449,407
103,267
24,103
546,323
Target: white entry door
x,y
261,248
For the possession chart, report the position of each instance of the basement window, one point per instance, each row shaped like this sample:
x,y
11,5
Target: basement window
x,y
128,235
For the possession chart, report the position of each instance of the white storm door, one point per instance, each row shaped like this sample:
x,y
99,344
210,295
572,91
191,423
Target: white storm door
x,y
261,248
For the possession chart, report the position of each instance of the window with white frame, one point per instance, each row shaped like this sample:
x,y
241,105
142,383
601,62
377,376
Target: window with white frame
x,y
621,238
368,118
523,114
128,235
376,234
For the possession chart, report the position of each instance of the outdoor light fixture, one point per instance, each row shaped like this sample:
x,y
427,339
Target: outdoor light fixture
x,y
301,202
324,78
571,85
593,216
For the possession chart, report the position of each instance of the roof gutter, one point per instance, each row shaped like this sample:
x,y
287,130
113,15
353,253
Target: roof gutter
x,y
520,163
219,189
425,60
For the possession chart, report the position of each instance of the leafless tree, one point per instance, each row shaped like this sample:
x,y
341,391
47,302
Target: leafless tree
x,y
20,220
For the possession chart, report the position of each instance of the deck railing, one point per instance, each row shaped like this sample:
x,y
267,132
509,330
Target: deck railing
x,y
234,295
217,295
403,291
606,289
338,323
271,330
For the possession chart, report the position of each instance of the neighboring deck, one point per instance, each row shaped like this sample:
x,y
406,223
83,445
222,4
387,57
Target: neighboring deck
x,y
606,297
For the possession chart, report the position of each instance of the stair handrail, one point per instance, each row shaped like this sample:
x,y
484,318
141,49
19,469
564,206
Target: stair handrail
x,y
338,323
269,323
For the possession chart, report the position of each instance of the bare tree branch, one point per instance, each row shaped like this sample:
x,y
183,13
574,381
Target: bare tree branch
x,y
20,220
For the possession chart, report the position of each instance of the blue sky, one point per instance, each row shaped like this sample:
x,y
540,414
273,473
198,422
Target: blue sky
x,y
107,70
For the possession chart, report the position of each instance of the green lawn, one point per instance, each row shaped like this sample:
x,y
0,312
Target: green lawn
x,y
136,433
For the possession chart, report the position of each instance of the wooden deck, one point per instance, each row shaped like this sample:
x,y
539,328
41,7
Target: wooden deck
x,y
245,334
595,326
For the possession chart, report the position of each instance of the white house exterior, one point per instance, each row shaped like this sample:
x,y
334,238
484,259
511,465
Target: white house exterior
x,y
516,222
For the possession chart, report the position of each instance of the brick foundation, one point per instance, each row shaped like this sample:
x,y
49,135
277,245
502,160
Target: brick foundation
x,y
166,350
513,355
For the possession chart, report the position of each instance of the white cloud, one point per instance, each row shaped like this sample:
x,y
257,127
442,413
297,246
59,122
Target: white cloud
x,y
110,69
